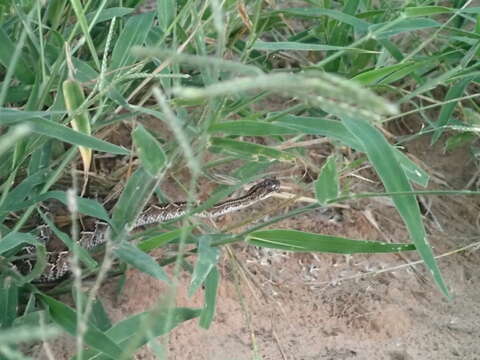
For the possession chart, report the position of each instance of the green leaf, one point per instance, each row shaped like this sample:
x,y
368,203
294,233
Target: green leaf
x,y
388,74
211,286
54,14
158,241
84,72
14,239
382,157
33,318
108,14
141,261
254,150
24,189
126,330
319,126
74,99
472,10
99,316
336,130
406,25
326,185
18,94
166,10
298,46
206,261
149,150
66,317
85,206
135,195
250,128
8,302
412,170
82,21
37,123
134,33
426,10
7,49
294,240
459,140
358,24
447,109
373,76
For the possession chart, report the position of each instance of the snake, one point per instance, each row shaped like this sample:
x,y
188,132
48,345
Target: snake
x,y
58,262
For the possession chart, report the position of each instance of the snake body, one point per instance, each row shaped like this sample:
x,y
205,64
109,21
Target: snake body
x,y
58,264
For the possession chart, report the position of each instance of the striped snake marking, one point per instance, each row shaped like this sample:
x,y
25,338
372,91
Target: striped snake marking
x,y
58,263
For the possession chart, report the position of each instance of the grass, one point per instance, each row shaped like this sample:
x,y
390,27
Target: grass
x,y
72,71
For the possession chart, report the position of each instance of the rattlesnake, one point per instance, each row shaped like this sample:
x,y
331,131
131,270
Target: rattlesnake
x,y
58,264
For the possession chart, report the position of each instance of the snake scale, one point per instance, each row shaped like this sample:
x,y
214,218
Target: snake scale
x,y
58,263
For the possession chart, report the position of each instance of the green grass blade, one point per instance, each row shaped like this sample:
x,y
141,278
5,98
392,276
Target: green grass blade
x,y
412,170
74,97
382,157
250,128
99,316
298,46
299,241
8,302
447,109
415,11
7,49
66,317
207,260
250,149
134,33
326,185
134,197
358,24
403,26
158,241
37,123
430,84
166,11
211,287
141,261
88,207
126,330
149,150
336,130
388,74
14,239
55,12
82,20
108,14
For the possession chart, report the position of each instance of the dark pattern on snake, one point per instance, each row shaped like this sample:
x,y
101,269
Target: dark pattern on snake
x,y
58,264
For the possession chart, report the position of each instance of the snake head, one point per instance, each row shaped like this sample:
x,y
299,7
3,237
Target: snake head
x,y
264,188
